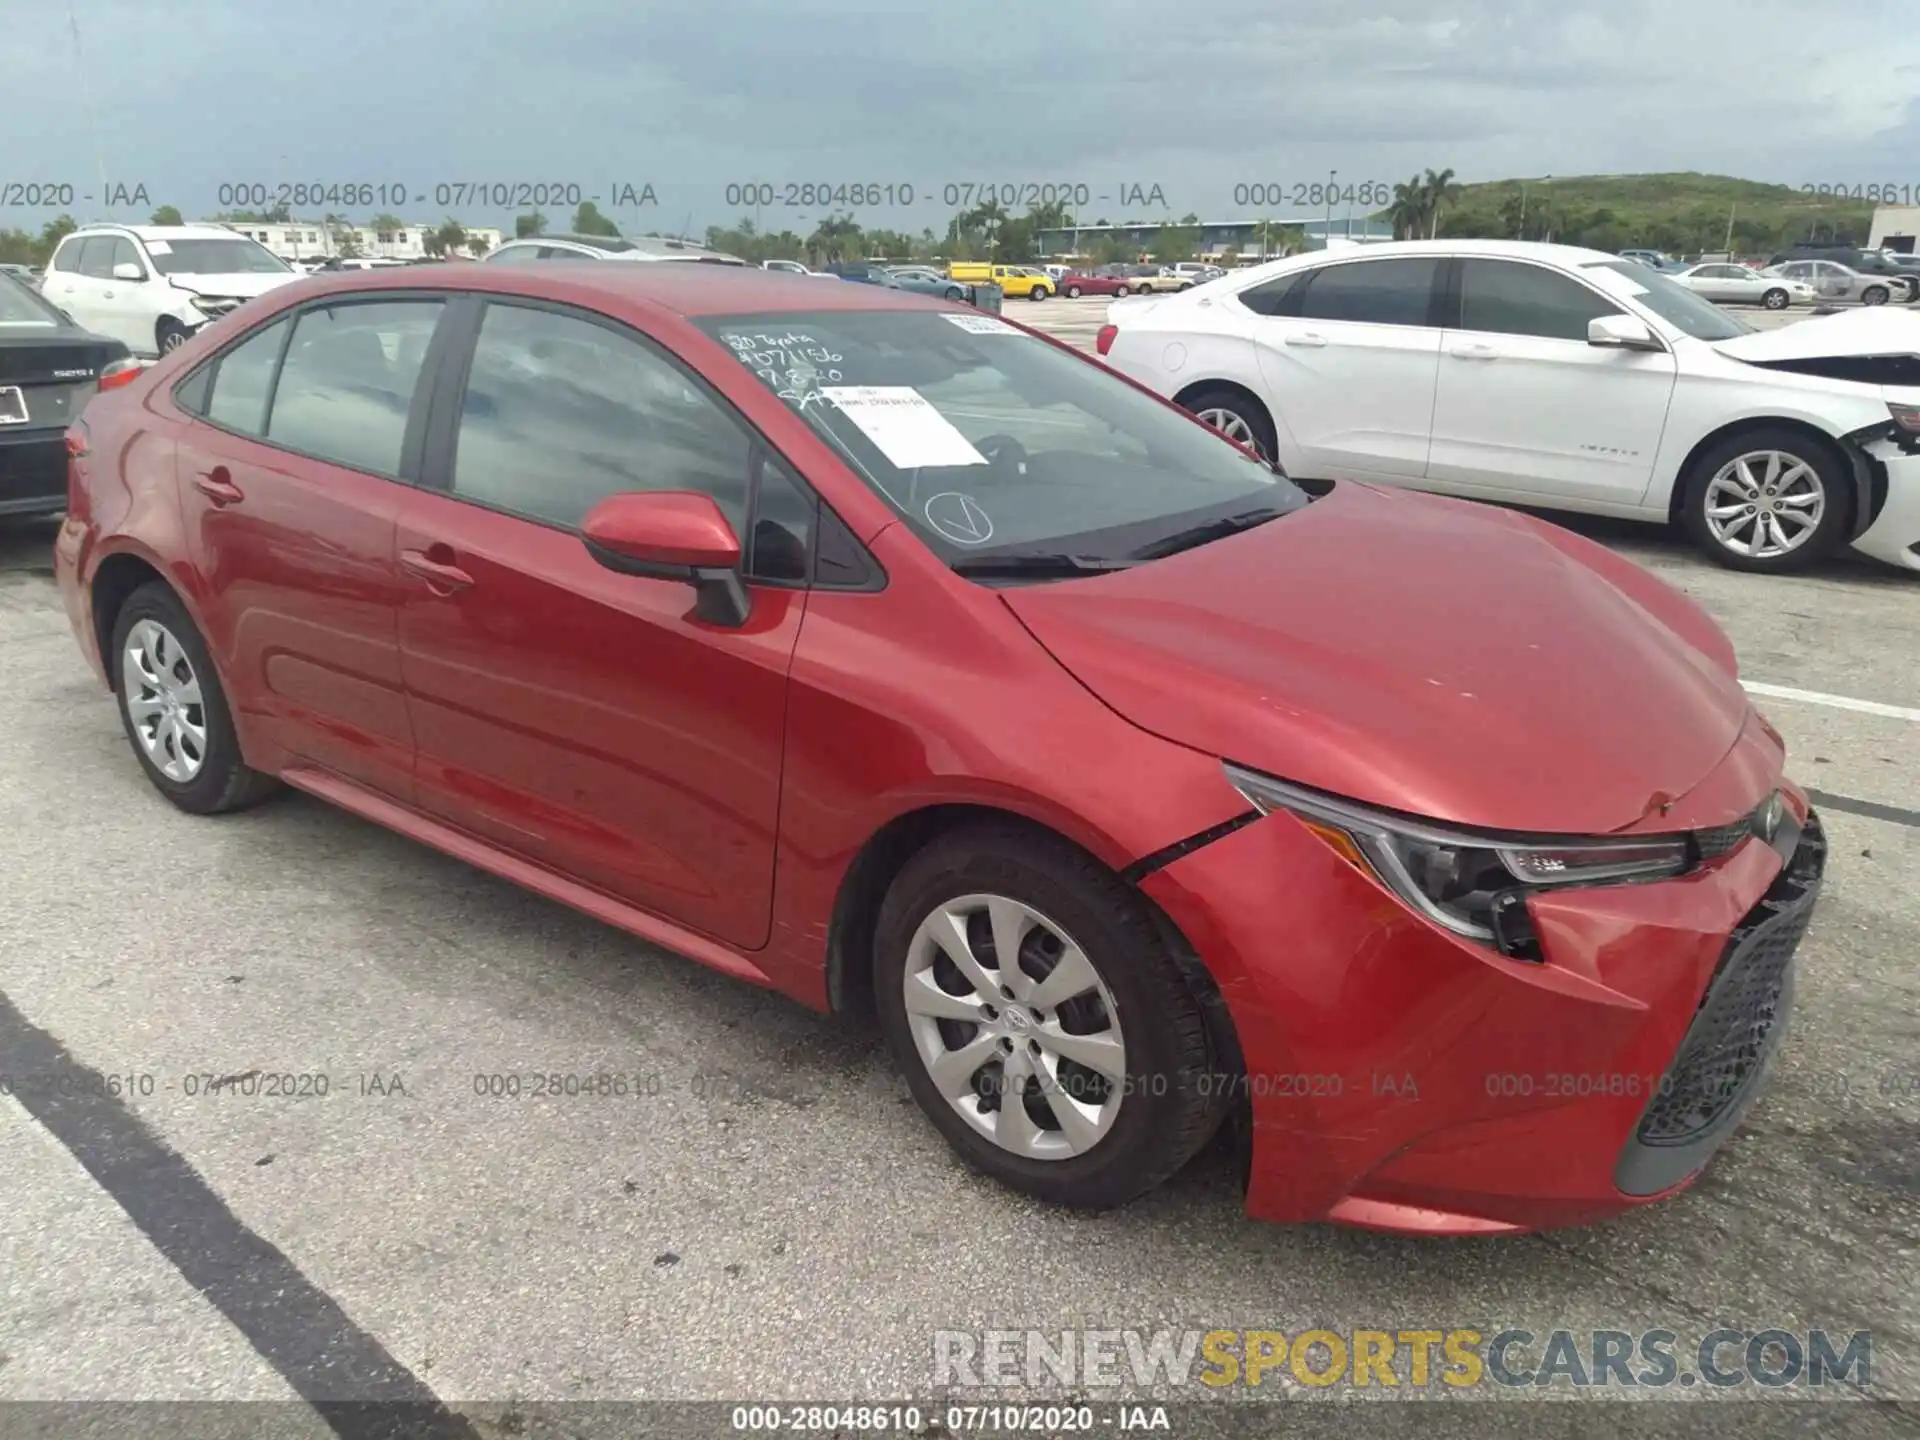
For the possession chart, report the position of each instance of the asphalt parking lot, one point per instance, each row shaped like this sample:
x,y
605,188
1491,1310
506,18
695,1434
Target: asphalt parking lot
x,y
765,1216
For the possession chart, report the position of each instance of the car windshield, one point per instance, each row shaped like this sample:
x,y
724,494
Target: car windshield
x,y
992,443
1671,301
215,257
20,306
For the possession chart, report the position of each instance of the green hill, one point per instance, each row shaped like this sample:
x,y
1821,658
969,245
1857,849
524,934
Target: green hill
x,y
1679,212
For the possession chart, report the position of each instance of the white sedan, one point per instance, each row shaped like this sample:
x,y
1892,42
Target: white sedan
x,y
1726,284
1557,377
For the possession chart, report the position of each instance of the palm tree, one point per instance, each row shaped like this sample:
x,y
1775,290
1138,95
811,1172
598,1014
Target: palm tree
x,y
1409,209
1437,192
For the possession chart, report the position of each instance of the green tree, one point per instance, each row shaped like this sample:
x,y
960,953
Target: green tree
x,y
836,238
385,228
1438,192
478,245
449,237
166,215
51,234
1408,212
1106,250
587,220
531,223
17,247
1176,243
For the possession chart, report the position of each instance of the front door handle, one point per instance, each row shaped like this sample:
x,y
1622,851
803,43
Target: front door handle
x,y
443,577
217,485
1307,338
1474,352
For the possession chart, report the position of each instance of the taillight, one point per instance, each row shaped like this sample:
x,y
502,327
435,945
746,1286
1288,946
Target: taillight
x,y
1103,342
120,372
77,440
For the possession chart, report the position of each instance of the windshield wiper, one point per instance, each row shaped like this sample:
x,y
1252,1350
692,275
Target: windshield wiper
x,y
1037,564
1203,533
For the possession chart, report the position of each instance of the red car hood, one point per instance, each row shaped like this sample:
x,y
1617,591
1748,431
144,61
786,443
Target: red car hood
x,y
1432,656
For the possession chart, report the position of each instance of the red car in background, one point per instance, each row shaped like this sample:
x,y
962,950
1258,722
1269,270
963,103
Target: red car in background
x,y
871,648
1076,283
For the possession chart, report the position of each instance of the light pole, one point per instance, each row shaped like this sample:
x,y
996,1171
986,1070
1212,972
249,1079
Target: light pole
x,y
1548,182
1326,226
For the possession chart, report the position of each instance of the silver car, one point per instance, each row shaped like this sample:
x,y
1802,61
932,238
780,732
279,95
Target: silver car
x,y
1833,281
1728,284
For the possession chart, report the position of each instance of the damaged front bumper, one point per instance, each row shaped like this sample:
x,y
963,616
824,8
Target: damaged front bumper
x,y
1887,524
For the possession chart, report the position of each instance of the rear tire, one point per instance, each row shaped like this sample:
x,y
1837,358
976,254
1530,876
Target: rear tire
x,y
997,879
1230,411
1072,292
174,710
1039,292
1776,299
1732,486
1123,292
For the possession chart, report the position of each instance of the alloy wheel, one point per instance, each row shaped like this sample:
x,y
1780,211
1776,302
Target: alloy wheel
x,y
1231,425
1765,504
163,701
1015,1026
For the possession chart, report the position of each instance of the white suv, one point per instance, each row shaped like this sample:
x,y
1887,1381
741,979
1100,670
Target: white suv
x,y
153,286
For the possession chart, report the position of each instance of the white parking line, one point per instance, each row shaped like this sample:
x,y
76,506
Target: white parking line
x,y
1834,702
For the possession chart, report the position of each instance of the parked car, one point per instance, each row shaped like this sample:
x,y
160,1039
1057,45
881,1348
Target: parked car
x,y
1899,280
152,287
1558,377
1733,284
530,249
1076,283
1198,271
671,596
923,281
49,369
1655,260
1830,280
25,274
1156,280
1013,280
793,267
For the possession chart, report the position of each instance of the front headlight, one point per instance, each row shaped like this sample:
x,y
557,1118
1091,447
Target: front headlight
x,y
1474,885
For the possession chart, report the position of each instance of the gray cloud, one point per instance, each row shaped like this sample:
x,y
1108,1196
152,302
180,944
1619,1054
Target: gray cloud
x,y
186,96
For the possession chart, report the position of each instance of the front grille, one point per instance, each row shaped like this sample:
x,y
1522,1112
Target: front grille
x,y
1721,838
1732,1034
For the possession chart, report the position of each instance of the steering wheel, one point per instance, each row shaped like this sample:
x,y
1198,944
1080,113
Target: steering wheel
x,y
1004,454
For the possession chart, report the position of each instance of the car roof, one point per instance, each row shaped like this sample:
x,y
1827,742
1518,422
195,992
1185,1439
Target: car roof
x,y
684,290
164,232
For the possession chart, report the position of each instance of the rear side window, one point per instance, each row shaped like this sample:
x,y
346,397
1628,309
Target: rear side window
x,y
1372,292
1269,298
348,382
515,255
1507,298
242,380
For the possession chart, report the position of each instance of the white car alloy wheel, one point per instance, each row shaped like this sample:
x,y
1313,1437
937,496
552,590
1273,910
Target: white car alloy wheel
x,y
1015,1026
1764,504
164,705
1232,426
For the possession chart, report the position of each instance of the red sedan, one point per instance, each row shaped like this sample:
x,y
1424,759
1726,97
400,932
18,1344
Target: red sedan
x,y
1073,286
880,651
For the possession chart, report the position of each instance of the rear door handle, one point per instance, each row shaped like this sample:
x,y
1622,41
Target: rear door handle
x,y
1306,337
1474,352
217,485
443,577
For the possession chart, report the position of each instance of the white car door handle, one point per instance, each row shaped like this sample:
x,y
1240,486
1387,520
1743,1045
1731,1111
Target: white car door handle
x,y
1474,352
1306,337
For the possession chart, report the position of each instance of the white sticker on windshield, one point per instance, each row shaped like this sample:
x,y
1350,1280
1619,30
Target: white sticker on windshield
x,y
980,324
904,425
159,247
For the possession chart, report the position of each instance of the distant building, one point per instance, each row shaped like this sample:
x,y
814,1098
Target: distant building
x,y
312,240
1251,239
1895,227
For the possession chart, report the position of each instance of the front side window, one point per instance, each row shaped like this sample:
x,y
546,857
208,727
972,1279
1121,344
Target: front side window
x,y
1372,292
348,382
560,412
989,442
237,256
96,257
67,258
1505,297
242,380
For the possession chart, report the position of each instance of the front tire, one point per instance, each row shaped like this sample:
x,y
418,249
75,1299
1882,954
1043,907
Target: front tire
x,y
1073,292
1076,1067
170,335
1874,295
1776,299
1123,292
1235,415
1766,500
174,710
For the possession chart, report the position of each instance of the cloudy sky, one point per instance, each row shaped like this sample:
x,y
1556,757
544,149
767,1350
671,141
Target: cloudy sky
x,y
689,96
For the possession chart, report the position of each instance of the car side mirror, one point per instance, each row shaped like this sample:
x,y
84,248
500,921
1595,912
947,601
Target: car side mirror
x,y
128,270
672,535
1621,332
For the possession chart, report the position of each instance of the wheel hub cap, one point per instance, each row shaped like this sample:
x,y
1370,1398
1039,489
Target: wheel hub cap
x,y
1765,504
1015,1026
163,701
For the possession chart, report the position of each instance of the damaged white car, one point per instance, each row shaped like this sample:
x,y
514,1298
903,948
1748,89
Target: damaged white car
x,y
1556,377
